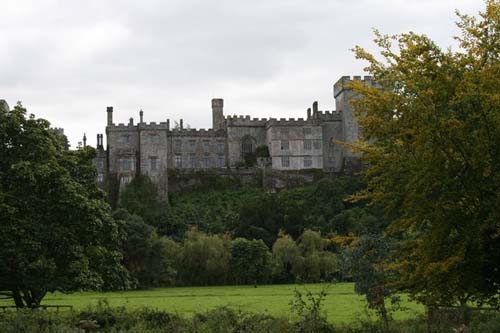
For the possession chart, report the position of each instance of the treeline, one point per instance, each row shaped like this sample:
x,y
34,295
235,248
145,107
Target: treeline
x,y
202,259
239,235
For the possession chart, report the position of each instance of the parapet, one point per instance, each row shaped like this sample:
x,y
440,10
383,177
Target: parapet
x,y
342,83
329,115
245,121
153,126
121,127
289,122
202,132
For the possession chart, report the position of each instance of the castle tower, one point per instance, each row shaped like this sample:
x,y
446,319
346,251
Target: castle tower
x,y
343,97
4,106
217,113
109,110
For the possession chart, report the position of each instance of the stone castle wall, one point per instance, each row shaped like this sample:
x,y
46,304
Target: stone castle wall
x,y
309,143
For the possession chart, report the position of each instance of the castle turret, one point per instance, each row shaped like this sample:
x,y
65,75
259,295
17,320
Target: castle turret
x,y
315,109
84,140
217,113
109,110
141,116
99,145
4,106
343,96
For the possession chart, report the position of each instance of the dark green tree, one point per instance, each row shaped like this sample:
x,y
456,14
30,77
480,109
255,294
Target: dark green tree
x,y
56,231
250,261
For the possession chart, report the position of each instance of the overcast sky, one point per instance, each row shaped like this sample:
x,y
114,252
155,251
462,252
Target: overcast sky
x,y
68,60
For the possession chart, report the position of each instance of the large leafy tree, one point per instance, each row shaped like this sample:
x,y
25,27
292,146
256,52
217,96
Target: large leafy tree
x,y
56,231
432,133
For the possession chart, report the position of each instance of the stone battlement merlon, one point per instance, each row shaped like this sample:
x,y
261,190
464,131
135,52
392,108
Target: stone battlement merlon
x,y
329,115
245,121
201,132
290,122
342,83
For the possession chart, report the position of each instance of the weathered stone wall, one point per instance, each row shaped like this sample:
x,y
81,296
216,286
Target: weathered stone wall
x,y
237,131
294,145
153,155
299,142
343,97
197,149
270,180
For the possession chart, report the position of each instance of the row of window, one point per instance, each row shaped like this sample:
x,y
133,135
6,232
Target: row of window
x,y
205,162
307,162
308,144
192,144
285,132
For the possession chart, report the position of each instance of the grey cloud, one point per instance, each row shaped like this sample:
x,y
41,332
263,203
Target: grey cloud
x,y
68,60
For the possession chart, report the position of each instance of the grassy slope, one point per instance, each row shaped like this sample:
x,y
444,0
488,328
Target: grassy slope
x,y
341,304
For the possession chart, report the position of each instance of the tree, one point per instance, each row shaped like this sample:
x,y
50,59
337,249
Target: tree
x,y
285,255
250,261
56,233
140,197
371,275
205,258
431,130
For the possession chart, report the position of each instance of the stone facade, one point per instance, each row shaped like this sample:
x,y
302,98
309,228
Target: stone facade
x,y
294,144
4,106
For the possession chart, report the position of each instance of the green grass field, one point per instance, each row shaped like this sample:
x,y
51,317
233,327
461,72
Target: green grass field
x,y
341,303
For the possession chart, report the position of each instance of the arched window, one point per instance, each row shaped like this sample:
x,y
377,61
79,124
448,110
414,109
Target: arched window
x,y
247,144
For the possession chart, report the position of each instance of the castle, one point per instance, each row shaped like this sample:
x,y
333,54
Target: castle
x,y
293,144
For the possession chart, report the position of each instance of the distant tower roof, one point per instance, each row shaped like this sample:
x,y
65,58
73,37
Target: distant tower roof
x,y
4,106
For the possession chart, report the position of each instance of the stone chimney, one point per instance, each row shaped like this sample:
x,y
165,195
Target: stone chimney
x,y
109,110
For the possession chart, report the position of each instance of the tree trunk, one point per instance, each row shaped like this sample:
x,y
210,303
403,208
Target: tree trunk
x,y
16,295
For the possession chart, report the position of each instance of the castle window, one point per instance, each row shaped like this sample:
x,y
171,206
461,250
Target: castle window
x,y
220,146
126,179
153,163
307,144
178,161
193,161
99,164
192,145
153,138
126,164
205,161
317,144
220,160
247,145
100,177
177,145
125,138
307,131
206,145
308,162
285,145
285,161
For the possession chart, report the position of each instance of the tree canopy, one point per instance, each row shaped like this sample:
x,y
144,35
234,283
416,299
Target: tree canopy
x,y
431,130
56,231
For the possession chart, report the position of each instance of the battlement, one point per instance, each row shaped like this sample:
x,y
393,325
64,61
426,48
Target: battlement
x,y
121,127
329,115
245,121
201,132
343,82
154,126
289,122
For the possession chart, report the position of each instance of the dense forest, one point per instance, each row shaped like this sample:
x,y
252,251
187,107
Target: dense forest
x,y
233,233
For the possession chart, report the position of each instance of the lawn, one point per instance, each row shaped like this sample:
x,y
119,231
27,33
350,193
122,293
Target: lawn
x,y
341,303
